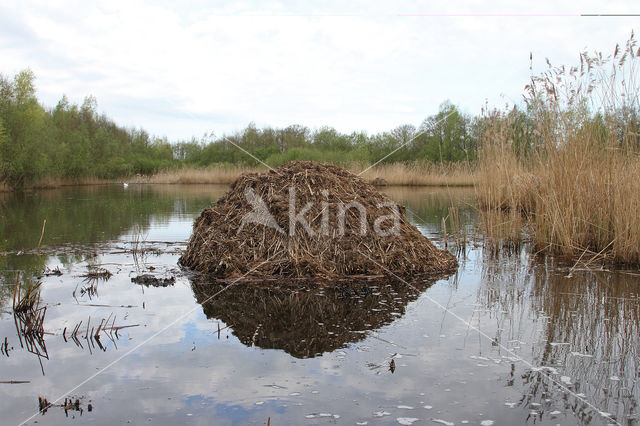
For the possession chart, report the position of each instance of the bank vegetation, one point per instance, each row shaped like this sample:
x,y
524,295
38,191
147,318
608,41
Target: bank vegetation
x,y
569,169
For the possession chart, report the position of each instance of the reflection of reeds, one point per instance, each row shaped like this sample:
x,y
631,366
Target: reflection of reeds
x,y
92,335
601,326
591,335
138,250
27,299
96,273
69,405
456,233
504,230
29,319
91,279
4,347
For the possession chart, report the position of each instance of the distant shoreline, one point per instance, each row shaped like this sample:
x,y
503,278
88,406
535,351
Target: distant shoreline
x,y
396,174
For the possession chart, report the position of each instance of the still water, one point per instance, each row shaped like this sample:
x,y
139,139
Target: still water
x,y
510,339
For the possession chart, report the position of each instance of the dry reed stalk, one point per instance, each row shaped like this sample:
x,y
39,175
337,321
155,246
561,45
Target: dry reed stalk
x,y
577,187
223,174
422,174
49,182
44,223
410,174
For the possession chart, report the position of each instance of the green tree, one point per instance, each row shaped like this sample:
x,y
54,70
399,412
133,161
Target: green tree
x,y
23,152
446,136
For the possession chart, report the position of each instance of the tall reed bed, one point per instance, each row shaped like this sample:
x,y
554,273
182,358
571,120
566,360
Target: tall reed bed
x,y
569,166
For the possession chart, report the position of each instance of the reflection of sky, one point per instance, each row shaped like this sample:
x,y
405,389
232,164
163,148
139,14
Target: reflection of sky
x,y
177,228
187,375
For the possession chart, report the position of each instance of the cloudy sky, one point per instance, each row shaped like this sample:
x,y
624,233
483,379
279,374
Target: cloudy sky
x,y
180,70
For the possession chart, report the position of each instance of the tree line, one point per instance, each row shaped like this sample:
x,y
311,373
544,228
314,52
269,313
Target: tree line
x,y
74,141
70,141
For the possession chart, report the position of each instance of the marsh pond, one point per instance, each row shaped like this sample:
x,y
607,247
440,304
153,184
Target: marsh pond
x,y
99,325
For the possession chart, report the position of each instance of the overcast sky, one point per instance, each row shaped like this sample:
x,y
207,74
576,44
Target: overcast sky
x,y
180,70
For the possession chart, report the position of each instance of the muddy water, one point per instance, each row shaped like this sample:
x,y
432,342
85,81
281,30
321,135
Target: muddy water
x,y
508,340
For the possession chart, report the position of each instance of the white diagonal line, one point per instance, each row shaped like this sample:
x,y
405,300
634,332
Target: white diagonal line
x,y
409,141
135,348
250,154
482,333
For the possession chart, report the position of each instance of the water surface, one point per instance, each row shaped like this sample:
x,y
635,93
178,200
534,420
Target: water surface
x,y
509,339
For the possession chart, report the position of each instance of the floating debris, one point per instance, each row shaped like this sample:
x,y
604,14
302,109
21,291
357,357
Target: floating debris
x,y
406,420
443,422
69,404
96,273
52,272
581,355
149,280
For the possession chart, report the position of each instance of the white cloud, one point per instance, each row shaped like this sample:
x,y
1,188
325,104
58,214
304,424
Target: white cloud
x,y
183,71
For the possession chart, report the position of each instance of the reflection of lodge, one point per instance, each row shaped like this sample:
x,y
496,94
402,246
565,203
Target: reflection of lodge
x,y
306,320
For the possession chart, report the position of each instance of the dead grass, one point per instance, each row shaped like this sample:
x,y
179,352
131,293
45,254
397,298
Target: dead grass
x,y
50,182
422,174
578,187
56,182
413,174
215,174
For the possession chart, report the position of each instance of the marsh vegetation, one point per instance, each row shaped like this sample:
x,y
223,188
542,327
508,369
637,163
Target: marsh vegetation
x,y
569,169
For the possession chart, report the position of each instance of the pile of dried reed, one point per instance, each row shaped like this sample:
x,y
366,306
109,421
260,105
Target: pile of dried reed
x,y
306,219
